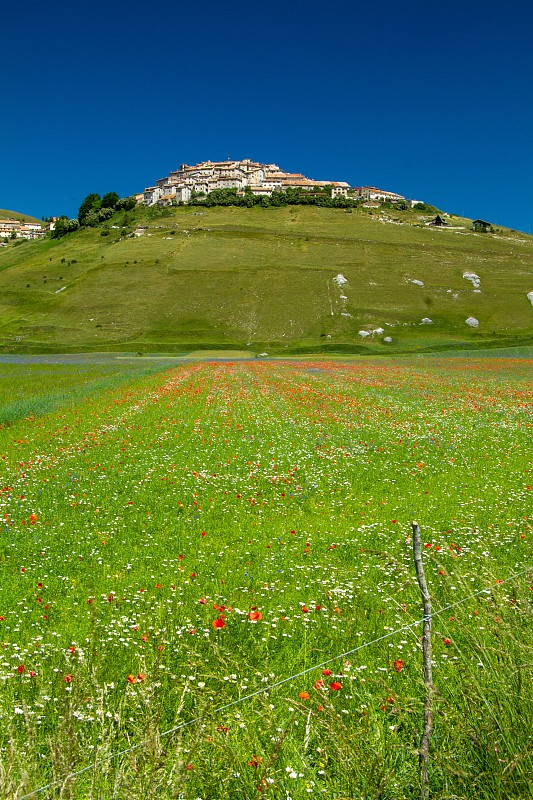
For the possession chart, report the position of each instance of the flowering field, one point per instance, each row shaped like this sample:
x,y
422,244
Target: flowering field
x,y
207,588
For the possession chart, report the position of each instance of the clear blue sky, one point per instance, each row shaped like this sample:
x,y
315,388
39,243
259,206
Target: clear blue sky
x,y
432,100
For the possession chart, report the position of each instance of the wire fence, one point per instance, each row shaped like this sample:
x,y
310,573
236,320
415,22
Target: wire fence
x,y
269,688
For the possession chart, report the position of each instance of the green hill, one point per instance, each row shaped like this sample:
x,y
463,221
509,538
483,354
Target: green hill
x,y
6,214
266,279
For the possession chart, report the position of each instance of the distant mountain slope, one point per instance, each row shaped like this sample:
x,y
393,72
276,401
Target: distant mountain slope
x,y
280,280
6,214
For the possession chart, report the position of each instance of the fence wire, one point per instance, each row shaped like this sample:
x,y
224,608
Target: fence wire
x,y
269,688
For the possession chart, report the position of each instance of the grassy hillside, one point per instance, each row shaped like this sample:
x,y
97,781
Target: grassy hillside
x,y
263,279
6,214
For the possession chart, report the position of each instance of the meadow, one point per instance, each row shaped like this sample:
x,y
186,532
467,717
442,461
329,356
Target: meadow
x,y
267,280
207,587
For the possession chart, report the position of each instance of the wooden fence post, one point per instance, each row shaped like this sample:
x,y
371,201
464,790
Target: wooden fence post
x,y
428,671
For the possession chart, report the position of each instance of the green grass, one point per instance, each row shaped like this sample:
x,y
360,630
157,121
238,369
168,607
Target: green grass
x,y
6,214
33,390
262,279
135,515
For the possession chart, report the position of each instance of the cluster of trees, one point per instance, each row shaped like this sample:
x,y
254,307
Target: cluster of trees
x,y
95,209
292,197
63,226
426,208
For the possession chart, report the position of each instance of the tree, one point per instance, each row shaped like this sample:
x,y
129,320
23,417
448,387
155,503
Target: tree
x,y
91,219
93,202
110,200
64,226
402,205
125,204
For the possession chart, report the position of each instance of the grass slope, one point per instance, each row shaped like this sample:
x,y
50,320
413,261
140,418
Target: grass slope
x,y
6,214
261,279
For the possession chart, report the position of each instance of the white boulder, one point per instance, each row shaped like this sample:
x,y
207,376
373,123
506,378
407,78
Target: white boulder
x,y
340,280
474,279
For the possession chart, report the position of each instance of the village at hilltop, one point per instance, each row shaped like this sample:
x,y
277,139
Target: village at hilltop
x,y
244,179
247,177
250,177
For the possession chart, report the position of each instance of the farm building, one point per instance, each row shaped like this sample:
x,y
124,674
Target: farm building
x,y
481,226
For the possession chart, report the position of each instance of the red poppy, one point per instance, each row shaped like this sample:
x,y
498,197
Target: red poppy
x,y
255,615
21,668
219,622
447,641
335,686
304,695
398,665
326,672
132,679
33,518
68,678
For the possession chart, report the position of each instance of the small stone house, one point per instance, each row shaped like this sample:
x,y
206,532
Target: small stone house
x,y
480,226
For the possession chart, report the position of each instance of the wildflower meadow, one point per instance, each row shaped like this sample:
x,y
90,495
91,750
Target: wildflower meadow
x,y
207,587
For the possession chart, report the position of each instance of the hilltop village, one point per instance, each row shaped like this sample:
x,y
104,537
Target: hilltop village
x,y
249,177
250,180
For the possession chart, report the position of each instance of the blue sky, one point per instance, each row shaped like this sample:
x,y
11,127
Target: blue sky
x,y
432,100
